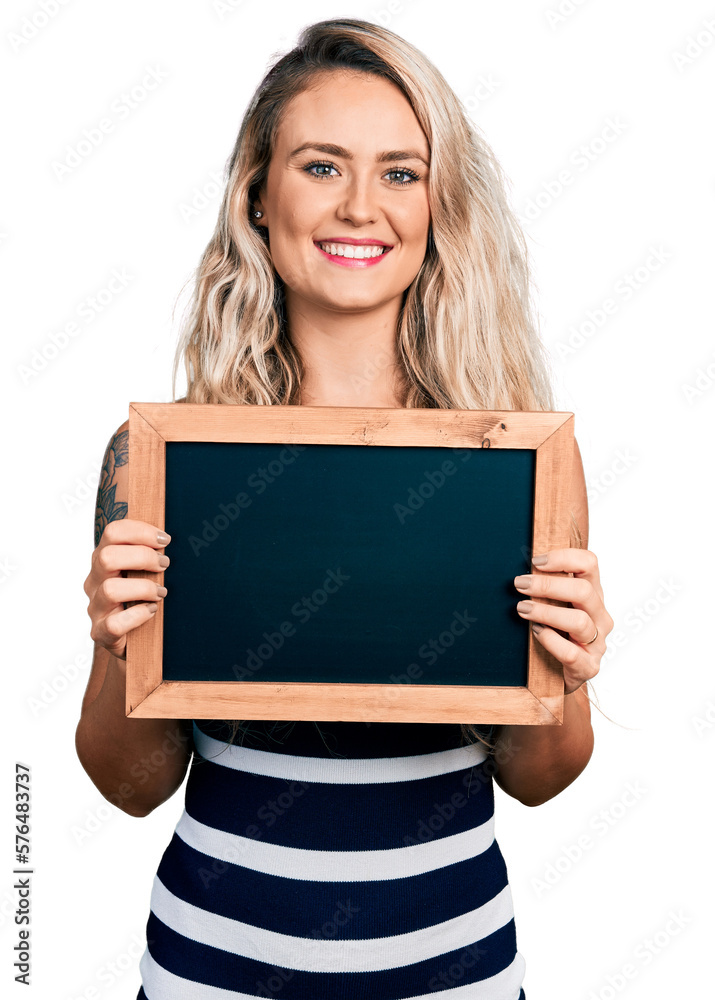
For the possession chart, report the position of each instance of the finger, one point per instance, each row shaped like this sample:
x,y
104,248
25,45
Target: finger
x,y
128,530
581,562
578,666
112,559
576,622
571,589
128,533
116,591
111,632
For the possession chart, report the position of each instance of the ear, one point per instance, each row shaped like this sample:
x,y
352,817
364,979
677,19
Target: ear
x,y
258,207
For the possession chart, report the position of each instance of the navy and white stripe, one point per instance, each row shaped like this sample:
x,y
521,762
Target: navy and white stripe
x,y
332,878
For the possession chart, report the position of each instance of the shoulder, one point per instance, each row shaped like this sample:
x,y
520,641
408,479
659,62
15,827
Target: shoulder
x,y
118,441
116,453
113,489
118,447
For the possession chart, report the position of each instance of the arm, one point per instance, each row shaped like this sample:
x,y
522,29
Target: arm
x,y
135,763
543,760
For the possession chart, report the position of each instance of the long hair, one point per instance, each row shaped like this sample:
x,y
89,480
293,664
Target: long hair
x,y
466,336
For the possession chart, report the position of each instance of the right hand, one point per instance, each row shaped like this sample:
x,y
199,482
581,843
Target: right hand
x,y
125,544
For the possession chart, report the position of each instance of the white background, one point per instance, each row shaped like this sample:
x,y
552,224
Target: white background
x,y
540,88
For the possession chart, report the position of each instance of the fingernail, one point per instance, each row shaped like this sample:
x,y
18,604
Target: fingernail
x,y
162,591
162,538
525,606
536,628
539,560
151,608
522,582
164,561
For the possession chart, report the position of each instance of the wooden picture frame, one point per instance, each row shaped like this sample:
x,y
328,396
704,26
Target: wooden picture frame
x,y
162,436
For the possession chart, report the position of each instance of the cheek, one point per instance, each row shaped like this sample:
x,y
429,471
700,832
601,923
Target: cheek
x,y
290,252
292,228
415,223
288,269
416,238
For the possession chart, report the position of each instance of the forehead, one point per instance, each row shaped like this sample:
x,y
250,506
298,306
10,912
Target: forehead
x,y
345,106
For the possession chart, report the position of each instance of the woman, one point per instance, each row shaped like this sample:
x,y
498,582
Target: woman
x,y
364,256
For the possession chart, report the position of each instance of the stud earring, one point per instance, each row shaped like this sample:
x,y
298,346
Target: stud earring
x,y
257,214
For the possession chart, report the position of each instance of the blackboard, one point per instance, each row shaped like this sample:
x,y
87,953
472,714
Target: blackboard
x,y
341,563
319,552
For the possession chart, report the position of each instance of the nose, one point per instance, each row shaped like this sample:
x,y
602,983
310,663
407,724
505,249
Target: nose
x,y
359,202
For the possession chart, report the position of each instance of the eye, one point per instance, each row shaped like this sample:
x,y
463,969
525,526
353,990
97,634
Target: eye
x,y
321,168
405,173
319,163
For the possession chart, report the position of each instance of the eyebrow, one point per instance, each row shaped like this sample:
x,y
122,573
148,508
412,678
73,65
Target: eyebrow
x,y
332,150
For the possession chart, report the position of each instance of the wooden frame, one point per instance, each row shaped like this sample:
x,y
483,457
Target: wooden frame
x,y
151,425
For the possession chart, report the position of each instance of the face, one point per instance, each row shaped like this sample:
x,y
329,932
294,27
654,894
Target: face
x,y
345,199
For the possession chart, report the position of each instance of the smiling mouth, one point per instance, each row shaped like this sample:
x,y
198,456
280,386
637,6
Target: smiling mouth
x,y
354,252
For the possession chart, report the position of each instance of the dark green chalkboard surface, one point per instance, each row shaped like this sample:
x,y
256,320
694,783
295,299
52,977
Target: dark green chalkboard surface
x,y
325,562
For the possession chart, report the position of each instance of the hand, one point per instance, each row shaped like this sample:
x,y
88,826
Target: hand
x,y
125,544
580,658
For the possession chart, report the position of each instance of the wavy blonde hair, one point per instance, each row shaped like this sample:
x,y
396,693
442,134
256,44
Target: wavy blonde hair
x,y
466,336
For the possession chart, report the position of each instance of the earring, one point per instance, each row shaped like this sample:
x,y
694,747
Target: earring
x,y
258,215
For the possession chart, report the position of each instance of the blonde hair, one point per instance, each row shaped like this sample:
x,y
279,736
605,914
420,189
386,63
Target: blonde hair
x,y
466,336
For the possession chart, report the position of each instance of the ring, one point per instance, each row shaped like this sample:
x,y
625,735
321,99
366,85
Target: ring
x,y
591,640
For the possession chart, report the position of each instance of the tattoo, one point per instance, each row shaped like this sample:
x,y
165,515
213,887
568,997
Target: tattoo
x,y
108,509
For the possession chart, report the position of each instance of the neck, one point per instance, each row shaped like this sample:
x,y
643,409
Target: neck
x,y
349,359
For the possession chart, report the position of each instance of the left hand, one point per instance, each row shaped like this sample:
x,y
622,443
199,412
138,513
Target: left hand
x,y
580,658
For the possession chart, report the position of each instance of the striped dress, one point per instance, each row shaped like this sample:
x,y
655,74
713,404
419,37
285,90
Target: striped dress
x,y
339,861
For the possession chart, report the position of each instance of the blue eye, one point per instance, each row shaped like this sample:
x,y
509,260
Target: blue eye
x,y
407,173
410,175
318,163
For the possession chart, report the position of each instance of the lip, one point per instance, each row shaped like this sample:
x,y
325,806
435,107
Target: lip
x,y
354,261
356,243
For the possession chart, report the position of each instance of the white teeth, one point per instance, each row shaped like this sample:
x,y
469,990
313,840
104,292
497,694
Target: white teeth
x,y
349,250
